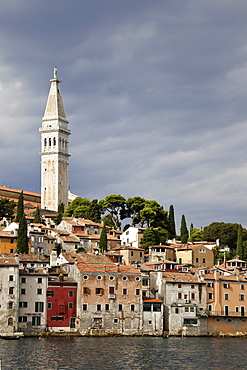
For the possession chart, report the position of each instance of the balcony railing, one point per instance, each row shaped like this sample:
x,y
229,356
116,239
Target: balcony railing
x,y
230,313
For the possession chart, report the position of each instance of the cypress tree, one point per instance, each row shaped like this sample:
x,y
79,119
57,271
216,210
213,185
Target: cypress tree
x,y
20,208
184,234
37,219
239,249
22,239
171,223
103,240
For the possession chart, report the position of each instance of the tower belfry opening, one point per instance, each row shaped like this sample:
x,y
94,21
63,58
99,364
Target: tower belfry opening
x,y
54,150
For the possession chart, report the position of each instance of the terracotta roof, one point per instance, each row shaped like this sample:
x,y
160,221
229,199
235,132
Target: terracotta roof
x,y
86,258
35,272
6,234
10,261
151,300
180,277
33,258
226,277
100,268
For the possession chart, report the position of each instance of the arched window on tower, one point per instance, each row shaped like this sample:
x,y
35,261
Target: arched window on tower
x,y
66,144
45,143
54,141
49,141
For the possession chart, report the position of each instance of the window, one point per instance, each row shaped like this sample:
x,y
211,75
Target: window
x,y
226,296
99,277
193,295
84,307
202,251
10,305
40,280
226,285
197,260
107,307
39,306
115,321
236,309
131,253
99,291
210,295
147,306
70,305
145,282
179,295
49,293
36,321
124,278
86,290
39,291
179,285
138,278
132,307
23,304
140,254
242,287
11,250
192,286
186,309
226,310
11,277
120,307
176,310
137,291
210,285
210,307
192,309
98,307
125,291
190,321
49,305
112,277
241,297
70,293
85,277
72,322
23,291
22,319
156,307
204,260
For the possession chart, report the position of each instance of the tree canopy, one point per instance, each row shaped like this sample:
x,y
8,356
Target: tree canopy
x,y
114,204
6,208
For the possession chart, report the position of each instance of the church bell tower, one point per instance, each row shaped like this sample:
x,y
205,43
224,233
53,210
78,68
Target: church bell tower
x,y
54,150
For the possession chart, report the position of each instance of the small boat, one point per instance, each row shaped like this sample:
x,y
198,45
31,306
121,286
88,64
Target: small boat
x,y
10,337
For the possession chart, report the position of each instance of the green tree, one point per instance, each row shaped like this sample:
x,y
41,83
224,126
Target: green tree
x,y
103,240
227,233
184,234
37,219
20,207
134,206
107,220
171,223
196,235
6,208
239,249
60,213
114,205
95,211
153,215
150,237
22,239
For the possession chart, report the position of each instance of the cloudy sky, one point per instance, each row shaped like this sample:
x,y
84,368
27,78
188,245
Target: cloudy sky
x,y
155,93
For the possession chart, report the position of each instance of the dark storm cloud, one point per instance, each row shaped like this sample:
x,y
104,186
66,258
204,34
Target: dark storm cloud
x,y
155,93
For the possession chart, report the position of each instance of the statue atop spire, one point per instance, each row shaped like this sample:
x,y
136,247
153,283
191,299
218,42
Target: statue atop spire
x,y
55,72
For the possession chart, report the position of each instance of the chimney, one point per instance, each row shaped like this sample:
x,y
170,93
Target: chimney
x,y
61,278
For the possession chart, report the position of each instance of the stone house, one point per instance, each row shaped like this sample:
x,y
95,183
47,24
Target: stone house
x,y
132,236
32,300
9,294
197,255
130,255
161,253
8,242
152,316
226,303
185,302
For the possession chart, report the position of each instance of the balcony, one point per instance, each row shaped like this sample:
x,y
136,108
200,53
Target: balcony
x,y
230,313
112,296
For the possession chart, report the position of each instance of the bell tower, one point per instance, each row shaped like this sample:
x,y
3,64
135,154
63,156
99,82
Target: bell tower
x,y
54,150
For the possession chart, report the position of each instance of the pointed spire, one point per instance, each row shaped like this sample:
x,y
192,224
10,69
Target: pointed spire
x,y
54,107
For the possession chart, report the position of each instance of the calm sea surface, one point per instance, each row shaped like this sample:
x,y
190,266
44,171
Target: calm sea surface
x,y
124,353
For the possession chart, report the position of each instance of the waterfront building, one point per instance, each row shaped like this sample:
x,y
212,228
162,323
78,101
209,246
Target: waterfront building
x,y
197,255
152,316
32,300
54,150
9,294
185,303
61,302
226,302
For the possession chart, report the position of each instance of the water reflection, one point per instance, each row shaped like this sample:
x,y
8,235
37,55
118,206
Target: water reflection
x,y
124,353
